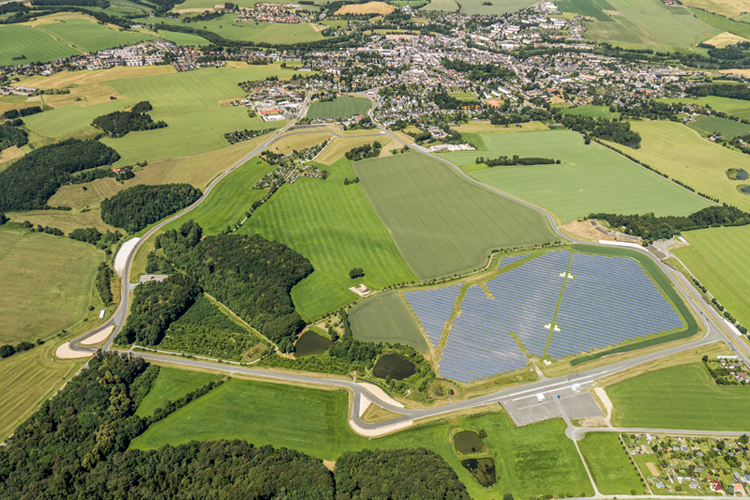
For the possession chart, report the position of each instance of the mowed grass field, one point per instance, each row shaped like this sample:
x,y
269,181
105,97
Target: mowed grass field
x,y
17,41
710,125
186,39
47,284
87,35
610,464
188,102
170,385
646,22
340,107
334,226
441,222
27,379
530,460
718,258
593,111
386,318
735,107
228,27
676,398
590,178
683,154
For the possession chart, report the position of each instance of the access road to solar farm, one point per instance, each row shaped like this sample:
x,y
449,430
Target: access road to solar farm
x,y
560,396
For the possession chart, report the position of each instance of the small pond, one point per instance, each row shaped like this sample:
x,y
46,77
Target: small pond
x,y
744,189
483,470
310,343
395,366
468,442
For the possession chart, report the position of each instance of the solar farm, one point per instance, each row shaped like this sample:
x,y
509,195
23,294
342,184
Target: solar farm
x,y
554,305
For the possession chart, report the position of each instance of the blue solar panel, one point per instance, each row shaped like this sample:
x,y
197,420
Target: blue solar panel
x,y
506,261
433,308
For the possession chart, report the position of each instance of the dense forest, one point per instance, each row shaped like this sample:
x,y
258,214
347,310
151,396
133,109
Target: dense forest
x,y
32,179
478,72
120,123
249,274
515,160
155,306
141,205
12,136
651,228
607,130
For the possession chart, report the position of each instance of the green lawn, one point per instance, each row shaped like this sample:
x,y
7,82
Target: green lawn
x,y
441,222
47,284
531,460
590,178
185,39
681,153
718,258
170,385
17,41
710,125
647,22
610,464
464,96
734,107
593,111
677,398
334,226
386,318
340,107
187,101
88,35
228,27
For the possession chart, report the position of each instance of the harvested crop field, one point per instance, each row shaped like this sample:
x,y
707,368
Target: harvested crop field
x,y
366,8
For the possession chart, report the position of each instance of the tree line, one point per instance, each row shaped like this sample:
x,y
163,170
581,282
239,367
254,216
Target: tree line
x,y
17,113
601,128
120,123
11,135
515,160
30,181
136,207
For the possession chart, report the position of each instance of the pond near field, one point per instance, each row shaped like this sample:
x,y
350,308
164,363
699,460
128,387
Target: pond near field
x,y
467,442
310,343
394,366
483,470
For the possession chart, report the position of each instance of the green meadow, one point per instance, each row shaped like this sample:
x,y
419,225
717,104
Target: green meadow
x,y
189,102
47,284
340,107
532,460
228,27
734,107
185,39
334,226
589,179
717,257
683,154
441,222
87,35
676,398
593,111
18,41
170,385
386,318
709,125
610,464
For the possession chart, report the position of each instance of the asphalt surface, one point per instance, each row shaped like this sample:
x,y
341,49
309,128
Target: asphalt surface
x,y
712,324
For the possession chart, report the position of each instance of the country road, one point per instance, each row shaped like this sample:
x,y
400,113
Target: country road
x,y
712,323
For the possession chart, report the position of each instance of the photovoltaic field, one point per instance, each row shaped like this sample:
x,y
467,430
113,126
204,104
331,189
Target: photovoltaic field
x,y
555,305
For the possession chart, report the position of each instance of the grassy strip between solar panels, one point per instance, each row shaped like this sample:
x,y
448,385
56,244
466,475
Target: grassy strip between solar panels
x,y
664,284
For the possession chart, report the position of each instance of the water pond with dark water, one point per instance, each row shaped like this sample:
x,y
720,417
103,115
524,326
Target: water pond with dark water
x,y
483,470
744,189
395,366
310,343
467,442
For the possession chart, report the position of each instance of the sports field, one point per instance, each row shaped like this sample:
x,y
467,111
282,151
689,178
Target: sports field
x,y
647,22
593,111
735,107
87,35
228,27
717,257
334,226
47,284
188,102
442,223
530,460
386,318
170,385
590,178
710,125
27,379
340,107
609,464
17,41
674,398
683,154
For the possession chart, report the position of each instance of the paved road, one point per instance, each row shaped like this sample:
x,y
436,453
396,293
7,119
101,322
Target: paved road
x,y
708,318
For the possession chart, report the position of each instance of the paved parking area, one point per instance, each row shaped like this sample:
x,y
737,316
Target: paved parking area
x,y
543,406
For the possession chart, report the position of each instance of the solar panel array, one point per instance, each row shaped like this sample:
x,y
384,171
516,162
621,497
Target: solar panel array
x,y
480,343
506,261
433,308
610,300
